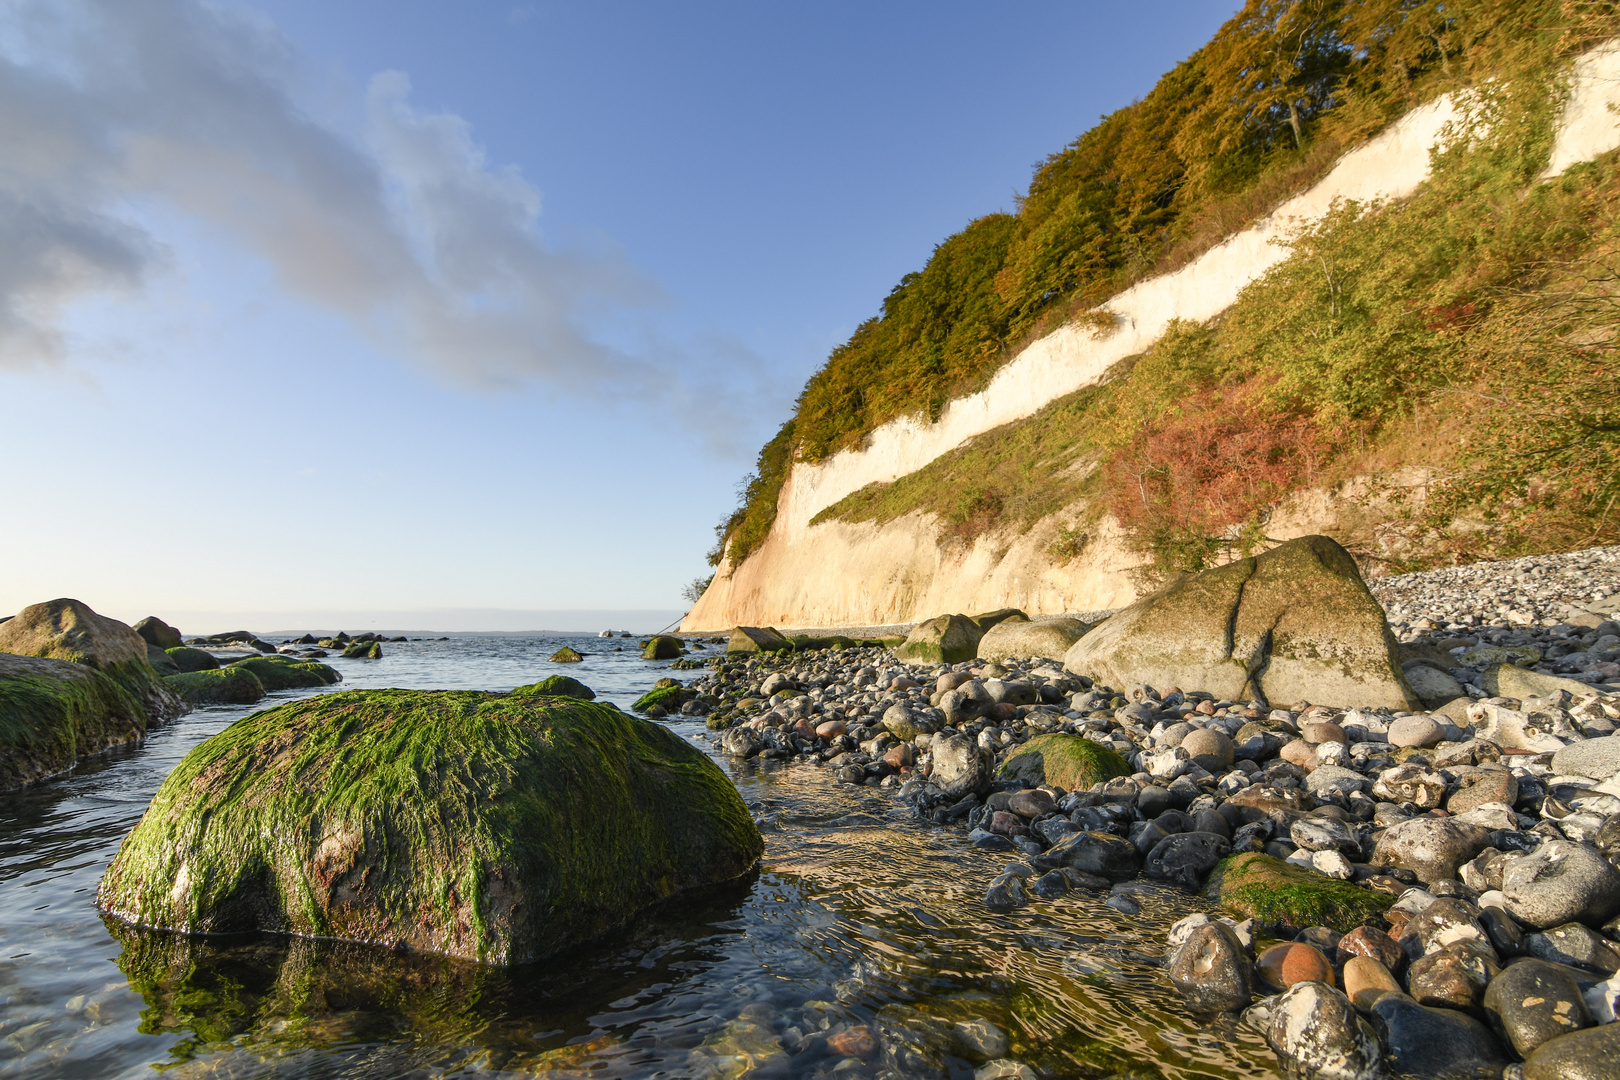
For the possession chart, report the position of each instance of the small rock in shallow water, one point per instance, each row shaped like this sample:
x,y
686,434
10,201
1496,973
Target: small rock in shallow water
x,y
1315,1031
1124,905
1437,1044
1290,962
1212,969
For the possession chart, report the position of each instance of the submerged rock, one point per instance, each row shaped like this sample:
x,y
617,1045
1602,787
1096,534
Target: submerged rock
x,y
1212,969
557,686
565,655
1294,623
1270,891
485,826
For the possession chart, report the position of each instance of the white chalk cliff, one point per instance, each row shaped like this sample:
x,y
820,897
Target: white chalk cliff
x,y
858,574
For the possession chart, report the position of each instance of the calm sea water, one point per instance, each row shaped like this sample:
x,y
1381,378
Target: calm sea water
x,y
859,917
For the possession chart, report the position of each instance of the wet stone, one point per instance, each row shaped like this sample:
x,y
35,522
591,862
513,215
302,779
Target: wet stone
x,y
1369,941
1315,1031
1290,962
1575,945
1442,1044
1582,1055
1532,1001
1212,969
1186,859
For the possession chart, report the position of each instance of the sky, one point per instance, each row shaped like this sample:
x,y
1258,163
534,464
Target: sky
x,y
470,315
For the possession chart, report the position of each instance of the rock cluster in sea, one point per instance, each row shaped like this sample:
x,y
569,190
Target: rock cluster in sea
x,y
1438,887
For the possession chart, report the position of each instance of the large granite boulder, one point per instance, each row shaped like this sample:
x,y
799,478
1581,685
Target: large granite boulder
x,y
944,639
68,630
1294,624
486,826
1023,640
154,631
53,712
751,639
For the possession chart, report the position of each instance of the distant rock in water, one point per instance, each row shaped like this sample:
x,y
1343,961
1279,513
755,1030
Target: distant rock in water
x,y
285,673
220,686
363,650
69,630
157,632
663,647
491,827
233,637
565,655
557,686
188,659
1293,624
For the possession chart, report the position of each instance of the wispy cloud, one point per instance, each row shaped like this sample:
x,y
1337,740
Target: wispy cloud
x,y
398,222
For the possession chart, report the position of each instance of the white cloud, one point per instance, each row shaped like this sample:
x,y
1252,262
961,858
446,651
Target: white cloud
x,y
401,225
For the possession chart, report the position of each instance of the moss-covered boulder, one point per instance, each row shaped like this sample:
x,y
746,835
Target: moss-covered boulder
x,y
69,630
1294,624
53,712
154,631
565,655
1072,762
662,647
494,827
1020,639
363,650
944,639
231,685
1273,893
285,673
669,699
188,659
557,686
753,639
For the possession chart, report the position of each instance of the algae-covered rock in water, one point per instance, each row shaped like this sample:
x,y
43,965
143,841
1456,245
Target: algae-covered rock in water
x,y
750,639
1072,762
944,639
53,712
231,685
284,673
68,630
1024,640
188,659
161,662
487,826
565,655
663,647
1294,624
557,686
157,632
1274,893
362,650
668,698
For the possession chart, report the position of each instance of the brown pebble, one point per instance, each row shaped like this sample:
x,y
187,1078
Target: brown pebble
x,y
1323,731
1366,980
1290,962
855,1042
1371,942
1299,752
831,729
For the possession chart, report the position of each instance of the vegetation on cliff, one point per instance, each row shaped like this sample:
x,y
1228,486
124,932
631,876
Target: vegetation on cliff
x,y
1378,309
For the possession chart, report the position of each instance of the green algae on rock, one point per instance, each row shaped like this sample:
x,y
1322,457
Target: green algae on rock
x,y
944,639
492,827
668,698
233,685
1072,762
663,647
565,655
362,650
68,629
285,673
53,712
1273,893
556,686
188,659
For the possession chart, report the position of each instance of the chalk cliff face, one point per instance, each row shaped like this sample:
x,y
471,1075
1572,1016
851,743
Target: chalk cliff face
x,y
837,573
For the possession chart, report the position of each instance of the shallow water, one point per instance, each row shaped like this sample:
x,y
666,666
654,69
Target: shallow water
x,y
859,916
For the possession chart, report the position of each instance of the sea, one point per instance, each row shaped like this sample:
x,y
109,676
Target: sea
x,y
861,948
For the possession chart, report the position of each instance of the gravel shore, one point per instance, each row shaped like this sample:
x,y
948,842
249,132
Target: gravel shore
x,y
1415,859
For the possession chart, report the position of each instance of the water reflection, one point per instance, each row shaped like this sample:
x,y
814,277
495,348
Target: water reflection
x,y
861,950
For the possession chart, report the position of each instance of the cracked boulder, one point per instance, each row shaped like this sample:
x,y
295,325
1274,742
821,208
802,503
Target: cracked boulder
x,y
1294,624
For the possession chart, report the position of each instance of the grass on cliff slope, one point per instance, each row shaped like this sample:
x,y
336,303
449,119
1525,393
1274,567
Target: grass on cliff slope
x,y
1257,114
1487,301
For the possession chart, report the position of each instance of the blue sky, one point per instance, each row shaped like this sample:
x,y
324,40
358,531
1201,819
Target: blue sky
x,y
419,313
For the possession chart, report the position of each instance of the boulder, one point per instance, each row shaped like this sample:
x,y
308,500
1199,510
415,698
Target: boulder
x,y
188,659
157,632
220,686
945,639
1436,1044
752,639
1597,758
1580,1055
68,630
1209,749
362,650
960,767
1211,968
1532,1001
1099,853
1274,893
663,647
565,655
1432,684
556,686
52,712
1023,640
1185,859
1315,1031
283,673
1432,848
484,826
995,618
161,662
1296,623
1561,882
1072,762
1512,681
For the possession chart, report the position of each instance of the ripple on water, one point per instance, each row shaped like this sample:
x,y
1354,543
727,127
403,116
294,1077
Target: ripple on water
x,y
859,918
